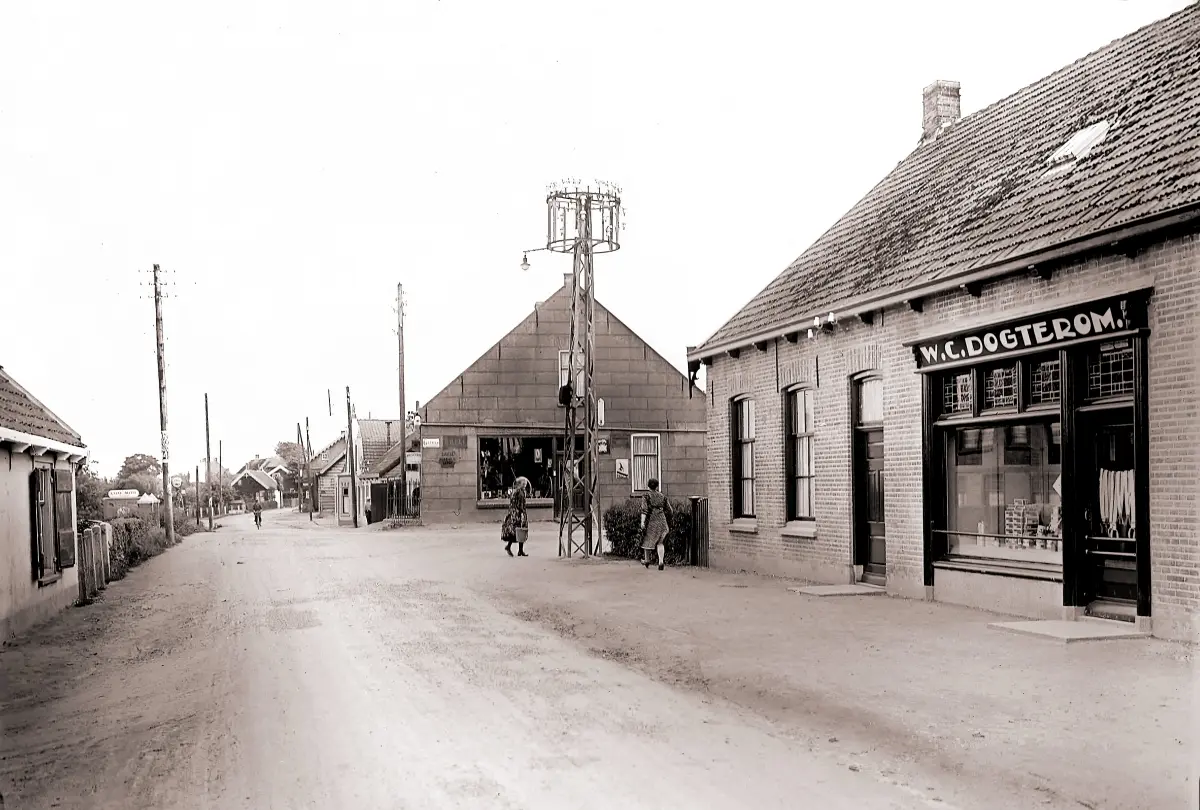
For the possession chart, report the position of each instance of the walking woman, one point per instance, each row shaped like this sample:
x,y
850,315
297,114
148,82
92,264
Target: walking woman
x,y
656,522
516,523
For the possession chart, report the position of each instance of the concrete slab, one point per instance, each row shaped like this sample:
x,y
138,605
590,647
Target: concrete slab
x,y
1068,631
839,590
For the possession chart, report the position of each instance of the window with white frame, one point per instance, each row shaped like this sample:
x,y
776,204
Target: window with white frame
x,y
564,371
798,428
741,428
647,460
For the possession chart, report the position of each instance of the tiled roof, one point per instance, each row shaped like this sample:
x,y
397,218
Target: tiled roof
x,y
976,196
392,458
265,481
21,411
377,438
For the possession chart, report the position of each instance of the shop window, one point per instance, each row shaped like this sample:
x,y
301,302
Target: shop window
x,y
957,393
799,453
742,431
1000,387
1110,370
1045,382
504,459
647,463
1004,488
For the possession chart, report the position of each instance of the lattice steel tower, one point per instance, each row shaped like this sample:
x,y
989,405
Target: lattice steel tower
x,y
583,222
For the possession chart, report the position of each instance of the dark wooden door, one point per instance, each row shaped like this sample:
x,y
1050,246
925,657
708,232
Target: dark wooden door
x,y
1106,476
871,540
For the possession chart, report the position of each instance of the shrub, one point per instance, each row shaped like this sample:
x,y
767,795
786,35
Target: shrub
x,y
621,524
185,524
134,541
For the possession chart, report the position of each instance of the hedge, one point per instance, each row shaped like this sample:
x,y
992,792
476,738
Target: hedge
x,y
135,540
622,525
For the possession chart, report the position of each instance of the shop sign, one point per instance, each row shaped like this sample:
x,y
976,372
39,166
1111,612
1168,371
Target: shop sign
x,y
433,443
117,494
622,468
1039,331
602,446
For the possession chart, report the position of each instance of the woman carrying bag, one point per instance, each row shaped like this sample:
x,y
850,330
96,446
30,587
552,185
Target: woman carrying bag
x,y
656,522
515,528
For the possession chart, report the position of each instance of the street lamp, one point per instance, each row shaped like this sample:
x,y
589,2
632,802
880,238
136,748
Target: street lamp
x,y
525,257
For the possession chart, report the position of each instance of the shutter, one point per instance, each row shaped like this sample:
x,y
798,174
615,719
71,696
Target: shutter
x,y
64,519
35,547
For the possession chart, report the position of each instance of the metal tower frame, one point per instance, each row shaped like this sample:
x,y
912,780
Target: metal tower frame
x,y
573,215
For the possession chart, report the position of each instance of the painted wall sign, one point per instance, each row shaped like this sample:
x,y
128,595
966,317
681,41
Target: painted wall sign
x,y
432,443
1046,331
622,468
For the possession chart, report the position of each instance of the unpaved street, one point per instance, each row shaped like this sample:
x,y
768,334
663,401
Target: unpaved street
x,y
299,667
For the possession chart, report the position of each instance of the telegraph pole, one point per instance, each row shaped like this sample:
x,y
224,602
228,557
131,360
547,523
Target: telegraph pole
x,y
403,408
350,457
162,405
197,494
208,463
221,467
312,494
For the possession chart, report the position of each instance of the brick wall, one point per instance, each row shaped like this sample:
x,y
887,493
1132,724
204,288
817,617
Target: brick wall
x,y
828,363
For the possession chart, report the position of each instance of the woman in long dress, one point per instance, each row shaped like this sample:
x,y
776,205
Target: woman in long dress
x,y
656,523
517,518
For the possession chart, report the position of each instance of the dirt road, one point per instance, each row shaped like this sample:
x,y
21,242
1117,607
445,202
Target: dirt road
x,y
296,667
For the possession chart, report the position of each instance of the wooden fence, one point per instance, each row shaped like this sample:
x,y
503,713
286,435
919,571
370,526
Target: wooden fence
x,y
95,561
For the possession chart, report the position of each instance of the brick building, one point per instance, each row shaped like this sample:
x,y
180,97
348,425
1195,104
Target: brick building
x,y
980,385
500,418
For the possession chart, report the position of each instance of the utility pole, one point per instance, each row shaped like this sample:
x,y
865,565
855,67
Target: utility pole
x,y
403,408
197,494
350,458
208,463
162,405
312,489
221,467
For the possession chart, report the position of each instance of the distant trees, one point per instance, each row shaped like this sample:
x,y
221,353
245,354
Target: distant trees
x,y
292,454
141,472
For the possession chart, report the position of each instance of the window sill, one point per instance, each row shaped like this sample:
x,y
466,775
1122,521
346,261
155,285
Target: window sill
x,y
502,503
744,526
800,528
49,579
1000,568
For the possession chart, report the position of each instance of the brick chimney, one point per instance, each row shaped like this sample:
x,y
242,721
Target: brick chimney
x,y
939,106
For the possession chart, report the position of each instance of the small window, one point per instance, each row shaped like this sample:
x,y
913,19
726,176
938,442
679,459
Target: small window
x,y
564,366
1045,382
742,430
1110,370
798,413
647,462
870,401
957,393
1000,387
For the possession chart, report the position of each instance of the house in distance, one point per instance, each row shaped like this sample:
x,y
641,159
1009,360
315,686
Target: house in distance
x,y
500,419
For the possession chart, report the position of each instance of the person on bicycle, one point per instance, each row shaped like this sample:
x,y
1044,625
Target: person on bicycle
x,y
257,510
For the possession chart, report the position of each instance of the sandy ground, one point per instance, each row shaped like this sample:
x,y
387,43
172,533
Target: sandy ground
x,y
302,666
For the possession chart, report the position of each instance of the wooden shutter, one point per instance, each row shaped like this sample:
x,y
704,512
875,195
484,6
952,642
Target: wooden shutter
x,y
64,518
35,519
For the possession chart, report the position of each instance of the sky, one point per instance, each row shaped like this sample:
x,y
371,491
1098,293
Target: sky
x,y
289,163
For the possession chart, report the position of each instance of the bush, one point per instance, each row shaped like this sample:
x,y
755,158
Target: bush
x,y
134,541
621,524
185,524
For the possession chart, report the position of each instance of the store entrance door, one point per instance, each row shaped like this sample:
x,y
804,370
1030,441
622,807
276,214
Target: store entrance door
x,y
871,540
1108,496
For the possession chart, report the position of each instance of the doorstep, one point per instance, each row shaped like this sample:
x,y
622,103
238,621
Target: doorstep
x,y
856,589
1087,629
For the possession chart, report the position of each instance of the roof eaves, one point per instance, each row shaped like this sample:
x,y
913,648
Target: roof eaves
x,y
888,297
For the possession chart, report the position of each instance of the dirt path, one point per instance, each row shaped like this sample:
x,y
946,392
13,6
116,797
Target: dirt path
x,y
311,667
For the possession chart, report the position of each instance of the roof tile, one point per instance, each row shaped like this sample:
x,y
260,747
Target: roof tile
x,y
20,411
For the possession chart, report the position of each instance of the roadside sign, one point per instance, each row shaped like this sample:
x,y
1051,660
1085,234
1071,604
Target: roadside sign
x,y
176,481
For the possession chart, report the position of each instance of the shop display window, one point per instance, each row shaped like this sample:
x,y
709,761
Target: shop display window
x,y
1004,492
1045,382
1000,387
504,459
1110,370
957,393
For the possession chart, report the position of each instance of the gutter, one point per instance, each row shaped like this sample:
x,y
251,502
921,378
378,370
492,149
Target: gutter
x,y
28,441
874,302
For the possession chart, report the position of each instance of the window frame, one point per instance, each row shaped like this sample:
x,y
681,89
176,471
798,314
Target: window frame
x,y
49,524
564,371
633,437
738,478
791,465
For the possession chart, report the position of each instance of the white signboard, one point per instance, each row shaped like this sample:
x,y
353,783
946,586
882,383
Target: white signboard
x,y
622,468
124,493
433,443
176,481
600,413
